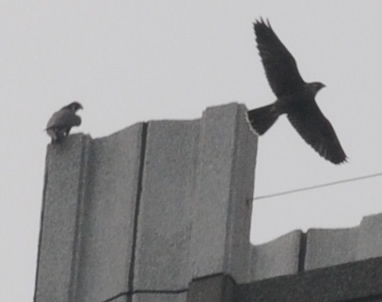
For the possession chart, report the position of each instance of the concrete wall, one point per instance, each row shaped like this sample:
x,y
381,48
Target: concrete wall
x,y
317,248
138,215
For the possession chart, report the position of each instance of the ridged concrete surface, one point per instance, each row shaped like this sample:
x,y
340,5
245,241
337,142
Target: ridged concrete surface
x,y
370,237
223,194
142,213
276,258
165,215
326,247
58,263
108,214
148,209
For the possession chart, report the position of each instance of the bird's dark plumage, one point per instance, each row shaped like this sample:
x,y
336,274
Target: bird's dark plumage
x,y
295,97
62,121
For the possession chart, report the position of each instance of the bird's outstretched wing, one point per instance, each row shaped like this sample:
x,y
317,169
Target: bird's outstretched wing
x,y
317,131
280,66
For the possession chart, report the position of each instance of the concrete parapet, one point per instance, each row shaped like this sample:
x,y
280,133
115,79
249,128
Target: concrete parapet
x,y
161,211
223,194
369,243
146,210
326,247
165,214
65,183
278,257
109,213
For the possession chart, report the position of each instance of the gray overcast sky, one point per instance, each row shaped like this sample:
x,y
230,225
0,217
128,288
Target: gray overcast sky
x,y
131,61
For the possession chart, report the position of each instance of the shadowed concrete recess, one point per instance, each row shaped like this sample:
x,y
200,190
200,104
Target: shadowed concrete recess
x,y
144,213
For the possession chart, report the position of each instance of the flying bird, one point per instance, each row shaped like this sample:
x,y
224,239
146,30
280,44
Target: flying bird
x,y
62,121
295,97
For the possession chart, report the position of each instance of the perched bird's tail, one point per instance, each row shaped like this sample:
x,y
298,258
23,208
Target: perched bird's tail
x,y
263,118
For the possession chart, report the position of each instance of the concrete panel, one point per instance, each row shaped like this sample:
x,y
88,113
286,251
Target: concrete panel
x,y
134,213
351,282
370,237
330,247
121,298
164,220
160,297
276,258
62,201
108,219
223,194
218,288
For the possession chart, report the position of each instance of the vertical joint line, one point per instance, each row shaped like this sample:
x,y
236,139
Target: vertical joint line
x,y
302,254
137,206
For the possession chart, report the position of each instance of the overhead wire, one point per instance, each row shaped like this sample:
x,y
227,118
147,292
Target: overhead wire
x,y
318,186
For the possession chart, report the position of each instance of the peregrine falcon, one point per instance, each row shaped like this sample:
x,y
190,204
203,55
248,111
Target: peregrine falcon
x,y
62,121
295,97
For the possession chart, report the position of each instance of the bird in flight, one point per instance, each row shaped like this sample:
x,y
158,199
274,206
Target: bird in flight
x,y
62,121
295,97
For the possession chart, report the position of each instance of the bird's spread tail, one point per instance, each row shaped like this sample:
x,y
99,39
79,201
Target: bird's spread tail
x,y
263,118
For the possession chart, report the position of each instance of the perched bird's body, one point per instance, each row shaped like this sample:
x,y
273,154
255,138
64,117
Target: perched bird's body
x,y
295,98
62,121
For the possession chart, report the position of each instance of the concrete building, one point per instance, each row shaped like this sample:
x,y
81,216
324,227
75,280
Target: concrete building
x,y
161,211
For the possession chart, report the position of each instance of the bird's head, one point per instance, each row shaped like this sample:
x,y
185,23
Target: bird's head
x,y
316,87
74,106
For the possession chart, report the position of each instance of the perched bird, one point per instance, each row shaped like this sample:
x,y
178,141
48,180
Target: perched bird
x,y
62,121
295,97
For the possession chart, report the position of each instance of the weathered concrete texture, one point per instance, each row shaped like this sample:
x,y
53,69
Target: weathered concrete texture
x,y
155,206
196,199
148,209
223,194
160,297
276,258
370,237
62,200
88,217
123,298
164,219
218,288
326,247
355,281
108,216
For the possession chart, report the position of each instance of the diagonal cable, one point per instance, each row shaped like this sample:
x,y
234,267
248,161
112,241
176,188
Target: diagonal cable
x,y
318,186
